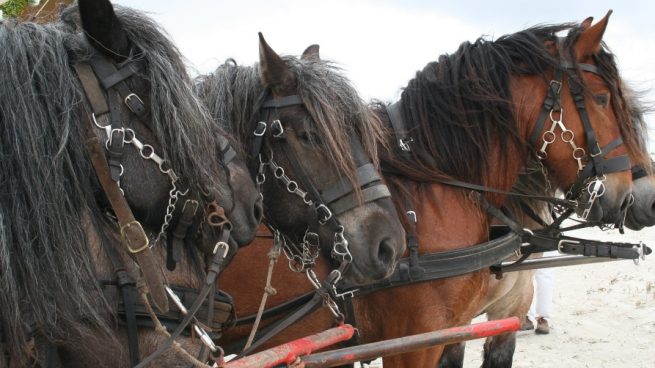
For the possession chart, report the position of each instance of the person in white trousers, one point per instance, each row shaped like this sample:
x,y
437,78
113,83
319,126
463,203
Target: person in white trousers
x,y
542,301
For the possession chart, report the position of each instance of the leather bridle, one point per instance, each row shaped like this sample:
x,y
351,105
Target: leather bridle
x,y
325,202
99,77
593,164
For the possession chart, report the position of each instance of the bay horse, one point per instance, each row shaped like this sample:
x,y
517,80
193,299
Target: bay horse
x,y
323,142
512,294
98,124
470,115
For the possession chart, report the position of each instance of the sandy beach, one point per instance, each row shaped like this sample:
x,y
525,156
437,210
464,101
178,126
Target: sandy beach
x,y
603,315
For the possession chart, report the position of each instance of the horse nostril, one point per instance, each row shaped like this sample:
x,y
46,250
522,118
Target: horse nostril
x,y
386,253
258,210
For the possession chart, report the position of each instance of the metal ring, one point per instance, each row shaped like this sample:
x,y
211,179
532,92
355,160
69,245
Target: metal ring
x,y
548,134
292,186
147,147
578,150
565,132
279,172
542,155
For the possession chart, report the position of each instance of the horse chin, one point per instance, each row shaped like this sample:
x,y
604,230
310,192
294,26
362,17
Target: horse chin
x,y
642,212
632,223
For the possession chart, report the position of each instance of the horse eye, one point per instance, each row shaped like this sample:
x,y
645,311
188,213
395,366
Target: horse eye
x,y
601,99
310,138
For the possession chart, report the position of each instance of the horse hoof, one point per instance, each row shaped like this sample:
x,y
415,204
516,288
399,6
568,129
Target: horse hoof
x,y
542,327
526,324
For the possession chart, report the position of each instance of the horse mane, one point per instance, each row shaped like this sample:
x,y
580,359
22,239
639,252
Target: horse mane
x,y
459,106
629,109
47,184
235,94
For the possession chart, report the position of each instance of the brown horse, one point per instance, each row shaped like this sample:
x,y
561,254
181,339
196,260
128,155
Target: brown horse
x,y
469,116
64,159
512,294
319,143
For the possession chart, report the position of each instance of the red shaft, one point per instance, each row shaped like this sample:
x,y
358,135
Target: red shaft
x,y
410,343
288,353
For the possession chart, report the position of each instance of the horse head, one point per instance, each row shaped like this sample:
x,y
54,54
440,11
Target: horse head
x,y
580,135
310,139
162,143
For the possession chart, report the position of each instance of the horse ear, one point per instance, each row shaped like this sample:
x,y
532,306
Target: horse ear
x,y
311,53
589,42
586,23
103,29
273,71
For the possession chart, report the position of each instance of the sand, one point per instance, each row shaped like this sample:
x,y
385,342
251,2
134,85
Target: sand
x,y
603,315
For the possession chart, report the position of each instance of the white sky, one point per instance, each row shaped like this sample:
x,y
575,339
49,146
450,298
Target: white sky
x,y
381,44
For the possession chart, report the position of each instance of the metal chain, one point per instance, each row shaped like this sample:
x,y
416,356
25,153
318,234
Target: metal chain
x,y
147,152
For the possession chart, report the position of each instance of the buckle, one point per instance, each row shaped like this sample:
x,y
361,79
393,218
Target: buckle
x,y
325,215
277,129
138,107
404,143
260,129
561,243
412,216
133,233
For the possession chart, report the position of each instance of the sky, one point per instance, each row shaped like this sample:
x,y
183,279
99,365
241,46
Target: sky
x,y
381,44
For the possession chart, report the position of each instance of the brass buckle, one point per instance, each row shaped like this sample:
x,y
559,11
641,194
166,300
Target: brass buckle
x,y
136,230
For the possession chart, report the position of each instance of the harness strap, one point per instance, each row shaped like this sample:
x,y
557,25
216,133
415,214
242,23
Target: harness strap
x,y
398,125
551,103
213,271
112,78
273,329
440,265
276,103
366,174
639,171
222,309
132,233
127,288
179,233
544,242
369,194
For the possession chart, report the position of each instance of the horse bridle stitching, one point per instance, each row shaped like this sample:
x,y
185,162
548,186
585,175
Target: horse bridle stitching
x,y
340,197
100,70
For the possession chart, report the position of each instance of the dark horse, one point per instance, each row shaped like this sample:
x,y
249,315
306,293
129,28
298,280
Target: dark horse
x,y
56,225
470,115
323,142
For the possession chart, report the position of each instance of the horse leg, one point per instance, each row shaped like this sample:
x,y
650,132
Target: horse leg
x,y
453,356
499,351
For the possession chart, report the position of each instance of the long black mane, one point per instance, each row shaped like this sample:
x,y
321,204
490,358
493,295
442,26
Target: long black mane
x,y
47,184
459,106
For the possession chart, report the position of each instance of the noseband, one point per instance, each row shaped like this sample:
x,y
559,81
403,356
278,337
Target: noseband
x,y
326,203
593,164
